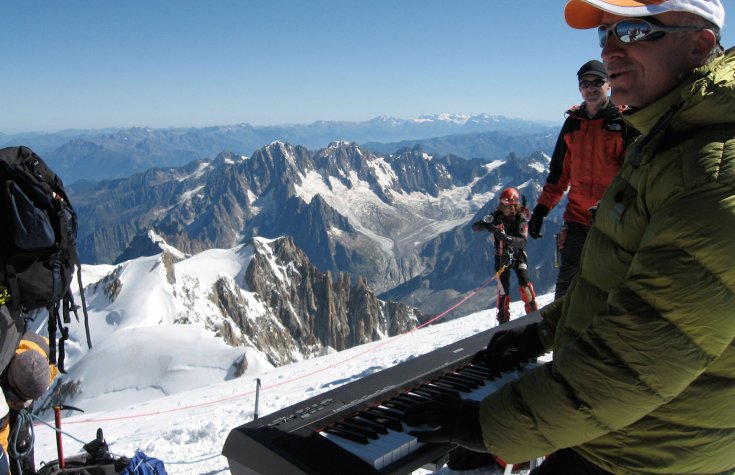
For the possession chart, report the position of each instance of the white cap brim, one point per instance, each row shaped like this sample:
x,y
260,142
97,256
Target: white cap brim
x,y
584,14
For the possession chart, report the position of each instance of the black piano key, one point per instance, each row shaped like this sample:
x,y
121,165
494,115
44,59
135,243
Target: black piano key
x,y
474,373
398,407
480,366
485,373
382,410
449,385
347,434
348,424
377,427
479,383
427,391
418,397
386,417
443,389
412,398
406,401
474,383
454,384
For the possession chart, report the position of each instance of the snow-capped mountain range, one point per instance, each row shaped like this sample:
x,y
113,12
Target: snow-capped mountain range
x,y
400,219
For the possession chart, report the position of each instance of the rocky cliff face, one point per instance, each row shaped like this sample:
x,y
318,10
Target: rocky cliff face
x,y
309,310
280,303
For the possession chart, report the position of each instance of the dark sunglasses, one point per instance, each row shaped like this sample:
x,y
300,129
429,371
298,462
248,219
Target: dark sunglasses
x,y
584,84
633,30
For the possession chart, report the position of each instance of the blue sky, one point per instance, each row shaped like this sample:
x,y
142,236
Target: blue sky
x,y
165,63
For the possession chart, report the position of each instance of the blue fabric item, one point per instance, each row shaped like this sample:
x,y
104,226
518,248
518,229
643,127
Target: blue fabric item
x,y
142,464
33,228
4,464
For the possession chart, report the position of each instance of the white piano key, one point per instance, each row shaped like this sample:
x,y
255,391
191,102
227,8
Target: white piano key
x,y
379,452
368,452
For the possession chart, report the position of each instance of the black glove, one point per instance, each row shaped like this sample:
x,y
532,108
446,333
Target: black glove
x,y
457,421
537,219
509,348
501,236
480,226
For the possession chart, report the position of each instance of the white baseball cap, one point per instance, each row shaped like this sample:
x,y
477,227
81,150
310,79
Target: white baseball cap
x,y
583,14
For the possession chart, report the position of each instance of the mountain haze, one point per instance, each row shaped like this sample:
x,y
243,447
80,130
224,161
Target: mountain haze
x,y
107,154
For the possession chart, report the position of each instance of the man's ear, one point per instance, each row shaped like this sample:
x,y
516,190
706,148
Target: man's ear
x,y
701,46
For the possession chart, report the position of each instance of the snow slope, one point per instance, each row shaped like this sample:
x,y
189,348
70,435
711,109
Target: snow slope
x,y
173,400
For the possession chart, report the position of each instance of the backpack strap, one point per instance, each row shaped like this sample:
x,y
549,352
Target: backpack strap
x,y
84,307
56,319
62,353
55,323
67,227
53,314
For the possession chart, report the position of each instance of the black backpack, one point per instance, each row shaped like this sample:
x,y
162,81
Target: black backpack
x,y
96,460
38,255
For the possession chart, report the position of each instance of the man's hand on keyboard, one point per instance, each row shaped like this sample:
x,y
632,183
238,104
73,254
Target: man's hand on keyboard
x,y
509,348
455,420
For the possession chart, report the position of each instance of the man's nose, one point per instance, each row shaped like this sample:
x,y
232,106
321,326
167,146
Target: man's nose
x,y
613,48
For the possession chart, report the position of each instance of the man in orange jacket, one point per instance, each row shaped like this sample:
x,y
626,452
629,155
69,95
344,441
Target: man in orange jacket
x,y
588,154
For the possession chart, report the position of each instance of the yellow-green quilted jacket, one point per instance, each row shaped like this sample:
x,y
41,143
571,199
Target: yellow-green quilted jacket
x,y
643,375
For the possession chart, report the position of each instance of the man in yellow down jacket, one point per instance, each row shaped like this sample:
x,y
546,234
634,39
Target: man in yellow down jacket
x,y
643,375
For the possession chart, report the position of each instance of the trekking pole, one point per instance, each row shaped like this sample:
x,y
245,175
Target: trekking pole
x,y
57,422
257,397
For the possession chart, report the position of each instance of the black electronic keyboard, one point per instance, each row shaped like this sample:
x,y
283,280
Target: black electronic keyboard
x,y
359,428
